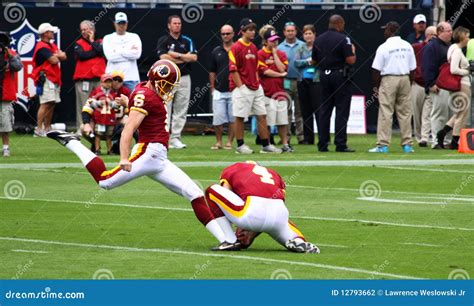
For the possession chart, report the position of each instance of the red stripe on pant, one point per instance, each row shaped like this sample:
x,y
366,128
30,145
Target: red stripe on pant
x,y
215,209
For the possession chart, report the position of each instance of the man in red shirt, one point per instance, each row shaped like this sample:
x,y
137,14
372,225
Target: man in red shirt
x,y
273,65
47,76
421,101
149,116
247,94
90,65
253,198
10,64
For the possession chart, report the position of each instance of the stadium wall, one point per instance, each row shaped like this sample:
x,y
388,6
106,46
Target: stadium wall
x,y
203,28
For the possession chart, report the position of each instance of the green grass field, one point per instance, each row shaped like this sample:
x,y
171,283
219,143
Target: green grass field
x,y
373,216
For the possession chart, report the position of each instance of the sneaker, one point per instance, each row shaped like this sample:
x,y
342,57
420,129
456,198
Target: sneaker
x,y
408,149
287,149
6,152
39,132
270,149
381,149
24,104
298,245
423,144
62,137
175,143
227,246
244,149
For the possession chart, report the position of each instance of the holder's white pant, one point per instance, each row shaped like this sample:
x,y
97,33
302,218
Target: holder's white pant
x,y
255,214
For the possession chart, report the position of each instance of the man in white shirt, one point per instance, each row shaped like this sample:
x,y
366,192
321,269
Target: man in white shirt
x,y
122,49
393,71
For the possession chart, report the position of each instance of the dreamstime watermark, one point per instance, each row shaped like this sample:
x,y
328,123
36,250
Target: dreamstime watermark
x,y
14,190
370,189
108,6
281,274
22,269
458,101
459,274
192,12
370,13
278,14
95,197
458,13
464,183
371,100
200,269
379,268
14,12
103,274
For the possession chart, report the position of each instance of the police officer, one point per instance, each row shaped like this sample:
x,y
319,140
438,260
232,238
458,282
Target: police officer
x,y
332,52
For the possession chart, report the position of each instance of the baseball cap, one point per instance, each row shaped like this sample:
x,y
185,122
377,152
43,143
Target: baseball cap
x,y
117,73
45,27
419,18
392,26
245,22
106,77
270,35
121,17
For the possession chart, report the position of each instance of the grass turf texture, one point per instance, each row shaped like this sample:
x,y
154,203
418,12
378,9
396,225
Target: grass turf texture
x,y
420,225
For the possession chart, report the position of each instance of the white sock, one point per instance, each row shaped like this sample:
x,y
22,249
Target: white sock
x,y
227,229
5,147
214,228
81,151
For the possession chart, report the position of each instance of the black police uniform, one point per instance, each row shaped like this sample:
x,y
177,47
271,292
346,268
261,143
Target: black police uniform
x,y
329,52
183,44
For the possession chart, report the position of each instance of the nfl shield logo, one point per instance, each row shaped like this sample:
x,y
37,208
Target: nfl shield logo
x,y
23,41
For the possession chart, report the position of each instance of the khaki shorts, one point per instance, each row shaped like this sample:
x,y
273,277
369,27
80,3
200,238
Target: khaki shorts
x,y
50,93
7,117
277,111
246,102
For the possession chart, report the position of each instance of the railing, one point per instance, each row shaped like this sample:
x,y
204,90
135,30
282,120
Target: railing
x,y
296,4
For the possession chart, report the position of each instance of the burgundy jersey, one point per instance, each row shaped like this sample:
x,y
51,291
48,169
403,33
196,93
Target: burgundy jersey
x,y
154,127
243,58
121,111
249,179
105,114
272,87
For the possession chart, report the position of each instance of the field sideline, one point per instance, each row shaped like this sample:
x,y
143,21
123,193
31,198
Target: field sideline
x,y
392,216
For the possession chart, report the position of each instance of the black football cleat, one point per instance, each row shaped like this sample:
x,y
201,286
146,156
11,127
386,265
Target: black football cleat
x,y
227,246
62,137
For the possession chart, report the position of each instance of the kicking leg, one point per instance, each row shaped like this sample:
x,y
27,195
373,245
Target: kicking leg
x,y
179,182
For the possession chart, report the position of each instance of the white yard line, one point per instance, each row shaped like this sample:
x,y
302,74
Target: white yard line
x,y
30,251
384,223
282,163
453,198
422,244
426,169
383,191
233,257
292,217
398,201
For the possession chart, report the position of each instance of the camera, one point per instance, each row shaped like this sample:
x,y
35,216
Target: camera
x,y
471,67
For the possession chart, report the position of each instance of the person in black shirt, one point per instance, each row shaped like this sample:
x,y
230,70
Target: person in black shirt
x,y
332,51
221,95
181,50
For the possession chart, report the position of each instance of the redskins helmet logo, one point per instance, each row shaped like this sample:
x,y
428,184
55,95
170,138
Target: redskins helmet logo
x,y
163,71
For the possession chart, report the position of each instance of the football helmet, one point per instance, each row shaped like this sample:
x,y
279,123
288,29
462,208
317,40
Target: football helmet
x,y
164,76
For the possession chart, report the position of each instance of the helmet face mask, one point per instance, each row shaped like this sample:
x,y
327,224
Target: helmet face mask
x,y
164,76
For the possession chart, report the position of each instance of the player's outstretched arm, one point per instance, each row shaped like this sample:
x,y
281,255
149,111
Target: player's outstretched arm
x,y
134,120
